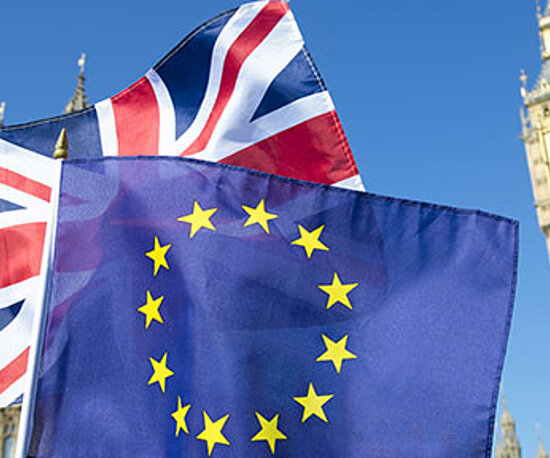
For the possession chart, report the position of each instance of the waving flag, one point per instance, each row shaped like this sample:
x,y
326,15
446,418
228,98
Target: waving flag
x,y
27,181
241,89
239,314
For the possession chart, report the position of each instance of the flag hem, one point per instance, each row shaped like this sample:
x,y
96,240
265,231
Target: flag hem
x,y
498,377
311,184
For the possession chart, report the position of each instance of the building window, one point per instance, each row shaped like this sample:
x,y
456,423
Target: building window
x,y
9,447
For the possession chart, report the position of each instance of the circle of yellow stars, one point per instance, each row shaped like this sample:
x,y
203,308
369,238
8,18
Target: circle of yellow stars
x,y
336,351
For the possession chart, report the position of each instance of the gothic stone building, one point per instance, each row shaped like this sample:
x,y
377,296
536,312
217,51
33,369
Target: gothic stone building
x,y
535,122
9,420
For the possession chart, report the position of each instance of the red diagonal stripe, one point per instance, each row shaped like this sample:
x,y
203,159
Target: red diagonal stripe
x,y
24,184
20,252
137,120
242,47
14,370
313,151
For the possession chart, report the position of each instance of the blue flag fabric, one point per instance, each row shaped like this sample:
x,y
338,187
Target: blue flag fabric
x,y
200,309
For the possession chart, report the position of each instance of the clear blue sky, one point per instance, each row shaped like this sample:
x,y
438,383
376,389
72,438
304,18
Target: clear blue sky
x,y
428,93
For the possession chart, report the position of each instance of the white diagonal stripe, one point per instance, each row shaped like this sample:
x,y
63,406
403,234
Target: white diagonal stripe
x,y
354,183
277,121
18,217
167,115
27,163
16,336
263,65
17,292
12,392
234,27
36,206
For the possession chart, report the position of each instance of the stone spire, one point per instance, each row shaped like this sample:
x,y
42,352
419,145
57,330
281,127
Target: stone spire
x,y
541,452
2,110
509,447
78,100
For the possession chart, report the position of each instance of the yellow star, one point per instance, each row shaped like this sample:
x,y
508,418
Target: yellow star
x,y
179,416
313,404
336,352
161,372
151,310
310,240
338,292
158,255
269,432
212,433
198,219
259,216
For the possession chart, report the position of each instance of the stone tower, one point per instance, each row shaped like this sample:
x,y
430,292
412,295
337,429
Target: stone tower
x,y
78,100
535,120
508,446
541,452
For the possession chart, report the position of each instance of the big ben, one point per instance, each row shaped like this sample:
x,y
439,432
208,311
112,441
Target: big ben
x,y
535,119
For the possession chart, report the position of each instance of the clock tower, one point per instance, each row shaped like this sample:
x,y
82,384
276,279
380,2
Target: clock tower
x,y
535,121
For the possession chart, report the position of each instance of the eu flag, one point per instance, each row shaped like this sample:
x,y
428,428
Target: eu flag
x,y
199,309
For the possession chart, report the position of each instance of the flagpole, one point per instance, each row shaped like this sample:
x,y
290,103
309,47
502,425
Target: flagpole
x,y
39,322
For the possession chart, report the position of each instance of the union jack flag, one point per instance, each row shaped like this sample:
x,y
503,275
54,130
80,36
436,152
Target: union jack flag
x,y
241,89
26,184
